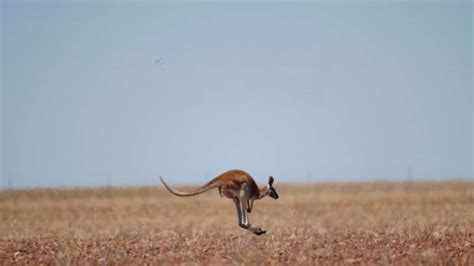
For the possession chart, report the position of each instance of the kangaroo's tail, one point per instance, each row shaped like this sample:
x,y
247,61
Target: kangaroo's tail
x,y
203,189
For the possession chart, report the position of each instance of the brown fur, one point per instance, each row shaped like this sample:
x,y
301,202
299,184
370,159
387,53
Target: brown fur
x,y
232,179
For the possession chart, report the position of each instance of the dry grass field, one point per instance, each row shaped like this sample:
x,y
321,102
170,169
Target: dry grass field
x,y
331,223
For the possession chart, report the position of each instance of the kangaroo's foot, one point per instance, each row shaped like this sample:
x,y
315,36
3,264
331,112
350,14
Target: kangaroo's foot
x,y
258,231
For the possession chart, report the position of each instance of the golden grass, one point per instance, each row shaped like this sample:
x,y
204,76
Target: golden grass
x,y
330,223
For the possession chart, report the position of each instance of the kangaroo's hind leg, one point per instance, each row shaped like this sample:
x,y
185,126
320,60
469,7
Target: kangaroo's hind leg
x,y
239,214
256,230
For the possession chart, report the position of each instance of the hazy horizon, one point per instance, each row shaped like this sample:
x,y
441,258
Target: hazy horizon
x,y
97,94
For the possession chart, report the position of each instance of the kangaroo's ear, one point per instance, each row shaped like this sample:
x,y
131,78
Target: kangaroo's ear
x,y
270,180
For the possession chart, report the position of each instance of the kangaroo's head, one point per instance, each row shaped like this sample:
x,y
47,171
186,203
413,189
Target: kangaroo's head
x,y
271,191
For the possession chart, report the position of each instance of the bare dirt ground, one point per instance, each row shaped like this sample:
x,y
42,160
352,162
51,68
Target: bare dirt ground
x,y
352,223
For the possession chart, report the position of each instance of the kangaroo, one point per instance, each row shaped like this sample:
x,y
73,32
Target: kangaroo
x,y
241,188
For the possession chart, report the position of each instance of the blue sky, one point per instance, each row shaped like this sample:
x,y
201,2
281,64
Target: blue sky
x,y
303,92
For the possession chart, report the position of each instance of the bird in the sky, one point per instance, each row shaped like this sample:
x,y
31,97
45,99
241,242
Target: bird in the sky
x,y
159,62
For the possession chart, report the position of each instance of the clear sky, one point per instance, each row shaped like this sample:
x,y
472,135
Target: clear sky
x,y
303,92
